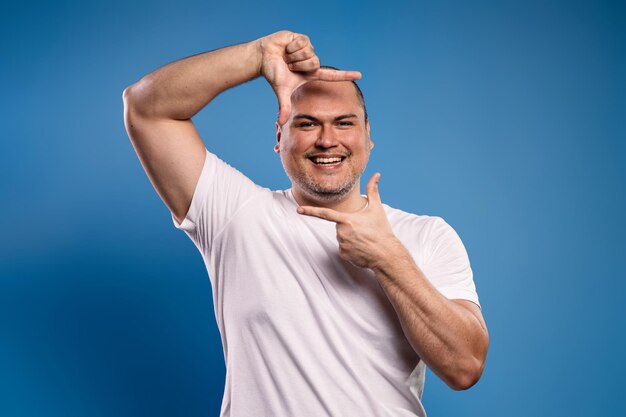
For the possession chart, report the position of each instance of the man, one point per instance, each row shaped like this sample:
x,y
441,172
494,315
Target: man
x,y
328,303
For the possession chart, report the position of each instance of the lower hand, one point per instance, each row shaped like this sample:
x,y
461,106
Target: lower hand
x,y
364,236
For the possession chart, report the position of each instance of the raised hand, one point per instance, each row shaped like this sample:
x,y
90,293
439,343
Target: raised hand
x,y
364,236
288,61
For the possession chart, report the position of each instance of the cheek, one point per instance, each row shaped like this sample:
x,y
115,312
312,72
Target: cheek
x,y
361,157
291,157
292,144
361,148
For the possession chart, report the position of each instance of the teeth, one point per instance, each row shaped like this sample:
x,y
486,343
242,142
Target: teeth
x,y
326,160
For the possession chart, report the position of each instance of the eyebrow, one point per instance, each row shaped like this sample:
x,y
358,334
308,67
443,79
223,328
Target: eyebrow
x,y
315,119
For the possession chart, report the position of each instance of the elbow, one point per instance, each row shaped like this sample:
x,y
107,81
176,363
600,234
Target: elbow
x,y
465,381
126,95
468,375
470,368
137,109
129,111
135,115
139,99
129,98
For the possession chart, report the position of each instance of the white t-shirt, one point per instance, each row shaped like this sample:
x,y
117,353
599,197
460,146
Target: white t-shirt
x,y
306,334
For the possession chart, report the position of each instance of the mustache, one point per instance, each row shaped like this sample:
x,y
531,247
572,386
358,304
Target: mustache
x,y
327,154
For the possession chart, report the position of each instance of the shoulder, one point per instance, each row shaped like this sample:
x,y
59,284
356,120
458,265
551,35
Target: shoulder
x,y
404,221
420,233
426,232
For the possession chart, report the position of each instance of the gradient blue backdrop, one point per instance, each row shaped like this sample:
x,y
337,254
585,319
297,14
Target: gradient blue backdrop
x,y
505,118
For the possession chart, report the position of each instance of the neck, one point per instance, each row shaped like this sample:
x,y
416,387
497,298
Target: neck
x,y
354,201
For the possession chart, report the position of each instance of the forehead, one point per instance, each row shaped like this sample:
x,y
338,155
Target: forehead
x,y
324,96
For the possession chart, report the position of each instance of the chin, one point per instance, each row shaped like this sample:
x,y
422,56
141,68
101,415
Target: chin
x,y
316,191
329,190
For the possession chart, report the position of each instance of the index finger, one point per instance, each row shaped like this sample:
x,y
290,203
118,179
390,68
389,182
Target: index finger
x,y
327,74
322,213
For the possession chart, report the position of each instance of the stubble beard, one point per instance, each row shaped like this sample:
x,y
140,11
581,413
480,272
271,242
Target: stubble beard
x,y
315,190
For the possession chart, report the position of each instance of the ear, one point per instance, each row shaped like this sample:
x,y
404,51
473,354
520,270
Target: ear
x,y
367,126
278,133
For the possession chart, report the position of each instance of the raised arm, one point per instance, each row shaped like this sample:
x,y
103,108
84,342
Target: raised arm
x,y
158,108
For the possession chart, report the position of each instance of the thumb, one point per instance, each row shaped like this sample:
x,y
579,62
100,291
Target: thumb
x,y
283,113
284,106
371,190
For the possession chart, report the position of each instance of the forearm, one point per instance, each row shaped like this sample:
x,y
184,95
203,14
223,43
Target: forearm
x,y
182,88
450,340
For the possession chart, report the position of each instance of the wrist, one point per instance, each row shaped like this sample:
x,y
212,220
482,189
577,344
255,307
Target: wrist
x,y
393,253
256,56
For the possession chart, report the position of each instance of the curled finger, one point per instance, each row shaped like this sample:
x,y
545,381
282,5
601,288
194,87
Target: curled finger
x,y
299,42
300,55
308,65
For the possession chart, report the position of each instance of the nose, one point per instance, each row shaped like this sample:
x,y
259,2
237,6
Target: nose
x,y
327,138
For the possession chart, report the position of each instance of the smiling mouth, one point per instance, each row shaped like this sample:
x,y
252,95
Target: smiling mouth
x,y
326,160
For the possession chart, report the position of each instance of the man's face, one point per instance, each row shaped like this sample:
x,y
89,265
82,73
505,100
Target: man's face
x,y
325,144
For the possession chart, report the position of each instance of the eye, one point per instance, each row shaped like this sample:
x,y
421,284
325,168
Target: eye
x,y
345,123
306,124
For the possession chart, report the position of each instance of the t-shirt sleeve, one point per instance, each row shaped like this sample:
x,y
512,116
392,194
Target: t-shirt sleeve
x,y
447,264
220,192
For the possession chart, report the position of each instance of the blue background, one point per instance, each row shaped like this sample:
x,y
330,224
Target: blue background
x,y
505,118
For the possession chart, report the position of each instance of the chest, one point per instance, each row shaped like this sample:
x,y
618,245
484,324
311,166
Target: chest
x,y
284,274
